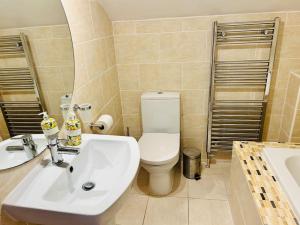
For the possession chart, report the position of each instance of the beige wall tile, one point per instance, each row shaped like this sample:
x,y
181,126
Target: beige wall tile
x,y
149,76
293,18
149,26
197,23
169,77
109,51
184,46
195,75
272,127
170,25
45,56
129,77
192,143
137,49
132,120
130,102
110,84
194,101
80,20
95,58
102,25
62,31
290,43
296,128
124,27
290,117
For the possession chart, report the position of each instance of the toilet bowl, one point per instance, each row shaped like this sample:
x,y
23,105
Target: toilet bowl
x,y
159,155
159,144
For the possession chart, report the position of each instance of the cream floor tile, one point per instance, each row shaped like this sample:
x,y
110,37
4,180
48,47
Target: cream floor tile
x,y
209,212
221,213
180,185
218,168
200,212
167,211
133,210
208,187
141,183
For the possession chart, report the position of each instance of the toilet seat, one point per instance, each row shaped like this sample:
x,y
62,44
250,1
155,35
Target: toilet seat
x,y
159,148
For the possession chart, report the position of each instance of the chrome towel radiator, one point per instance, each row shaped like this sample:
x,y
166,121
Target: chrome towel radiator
x,y
21,117
235,119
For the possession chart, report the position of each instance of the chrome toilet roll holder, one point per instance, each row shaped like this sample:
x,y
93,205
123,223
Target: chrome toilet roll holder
x,y
95,125
87,107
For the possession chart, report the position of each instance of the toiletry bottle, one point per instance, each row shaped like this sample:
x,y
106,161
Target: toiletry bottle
x,y
49,126
51,131
73,129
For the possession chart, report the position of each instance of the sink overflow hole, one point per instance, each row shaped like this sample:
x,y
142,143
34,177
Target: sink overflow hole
x,y
88,186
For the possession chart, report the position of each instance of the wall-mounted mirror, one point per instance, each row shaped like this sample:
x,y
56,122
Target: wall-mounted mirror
x,y
36,67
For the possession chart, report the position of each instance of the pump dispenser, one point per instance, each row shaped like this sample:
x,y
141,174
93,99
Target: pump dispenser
x,y
49,125
73,129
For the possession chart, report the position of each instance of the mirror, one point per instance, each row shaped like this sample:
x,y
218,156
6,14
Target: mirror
x,y
36,67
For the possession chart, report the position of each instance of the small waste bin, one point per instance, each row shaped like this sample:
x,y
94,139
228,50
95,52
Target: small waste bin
x,y
192,163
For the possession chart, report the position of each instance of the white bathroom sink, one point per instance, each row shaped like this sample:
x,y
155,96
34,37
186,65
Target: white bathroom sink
x,y
9,159
50,194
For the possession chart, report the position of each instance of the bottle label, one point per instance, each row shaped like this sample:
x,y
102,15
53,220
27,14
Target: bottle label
x,y
51,131
73,133
72,124
49,124
74,140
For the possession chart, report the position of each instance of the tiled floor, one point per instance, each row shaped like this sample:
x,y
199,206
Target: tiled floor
x,y
203,202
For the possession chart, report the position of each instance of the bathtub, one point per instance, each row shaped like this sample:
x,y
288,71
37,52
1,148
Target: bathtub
x,y
285,163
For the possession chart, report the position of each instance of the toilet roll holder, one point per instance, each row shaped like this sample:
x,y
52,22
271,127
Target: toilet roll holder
x,y
87,108
95,125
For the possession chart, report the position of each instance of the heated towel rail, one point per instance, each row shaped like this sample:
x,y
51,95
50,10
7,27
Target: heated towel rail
x,y
230,119
21,117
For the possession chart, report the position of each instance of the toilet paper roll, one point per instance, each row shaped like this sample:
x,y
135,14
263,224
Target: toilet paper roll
x,y
105,122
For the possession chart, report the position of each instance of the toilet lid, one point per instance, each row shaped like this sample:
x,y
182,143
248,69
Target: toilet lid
x,y
159,148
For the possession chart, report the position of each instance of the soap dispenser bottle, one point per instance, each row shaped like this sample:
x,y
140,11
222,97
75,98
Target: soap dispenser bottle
x,y
73,129
50,129
49,126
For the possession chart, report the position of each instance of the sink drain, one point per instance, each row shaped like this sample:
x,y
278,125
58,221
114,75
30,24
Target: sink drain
x,y
88,186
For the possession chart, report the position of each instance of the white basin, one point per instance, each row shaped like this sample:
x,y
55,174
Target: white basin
x,y
16,158
53,195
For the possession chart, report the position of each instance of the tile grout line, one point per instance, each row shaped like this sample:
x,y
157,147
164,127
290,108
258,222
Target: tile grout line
x,y
145,211
188,197
188,211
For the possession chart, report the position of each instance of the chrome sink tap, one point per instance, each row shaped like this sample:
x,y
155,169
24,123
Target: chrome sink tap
x,y
57,150
28,145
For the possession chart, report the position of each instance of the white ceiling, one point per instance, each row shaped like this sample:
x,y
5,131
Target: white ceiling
x,y
147,9
27,13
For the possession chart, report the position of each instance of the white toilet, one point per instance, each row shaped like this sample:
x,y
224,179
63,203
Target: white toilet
x,y
159,144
